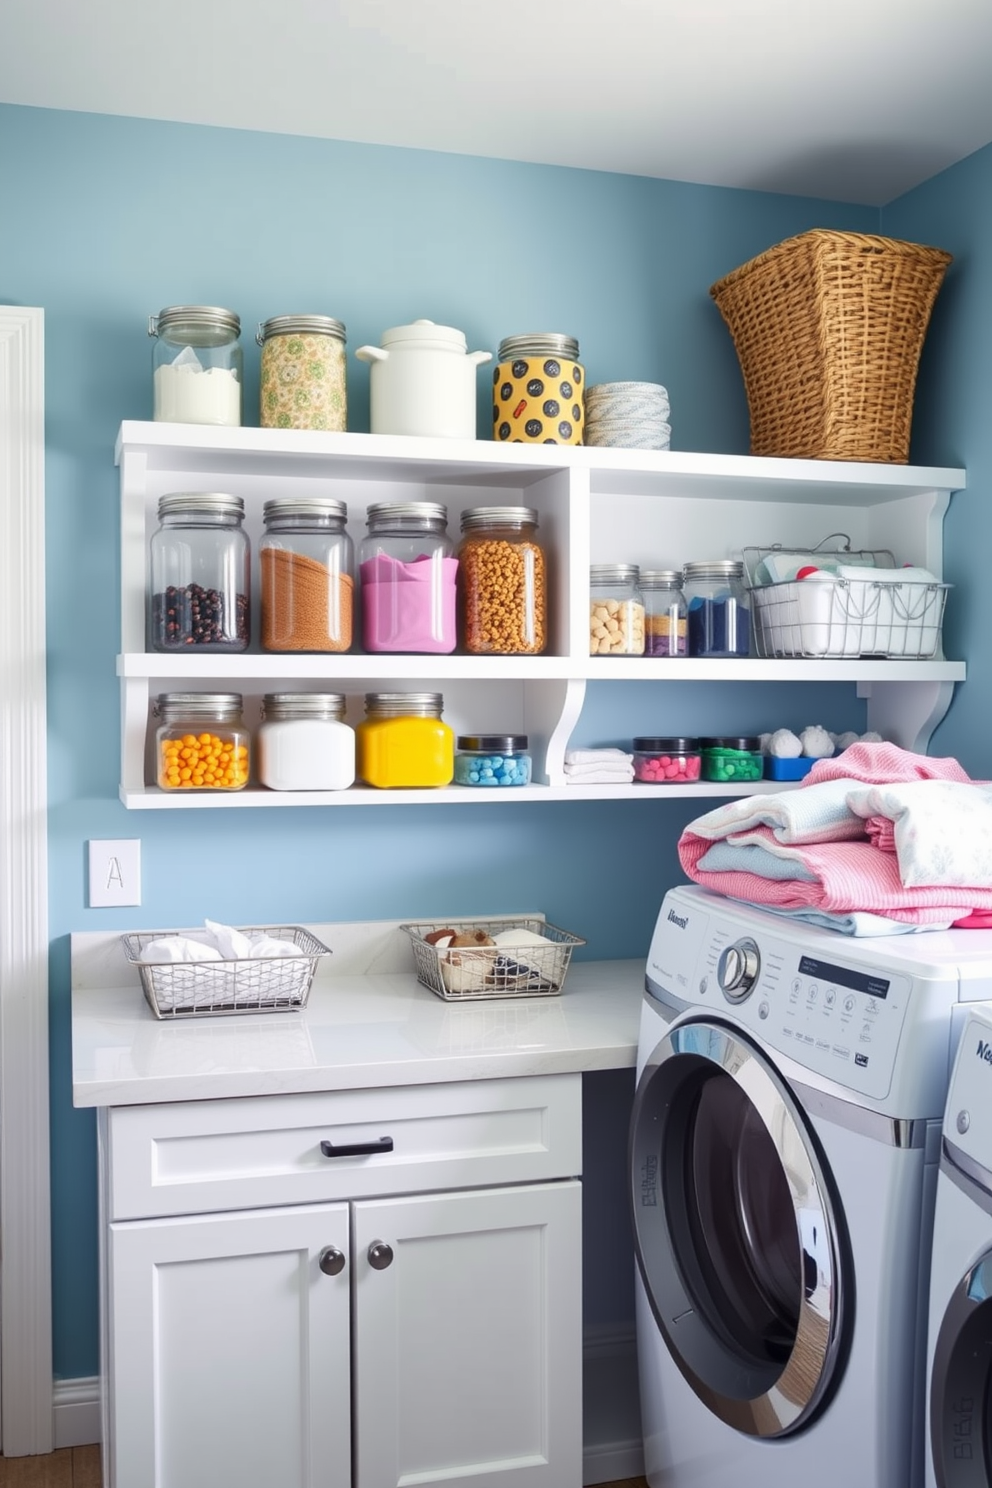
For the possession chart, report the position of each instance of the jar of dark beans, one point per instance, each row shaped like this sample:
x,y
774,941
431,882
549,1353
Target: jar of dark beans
x,y
199,574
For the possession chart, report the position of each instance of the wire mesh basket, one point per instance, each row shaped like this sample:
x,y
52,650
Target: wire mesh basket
x,y
886,613
509,969
263,984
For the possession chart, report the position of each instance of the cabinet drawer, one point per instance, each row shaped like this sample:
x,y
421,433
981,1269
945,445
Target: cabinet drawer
x,y
201,1156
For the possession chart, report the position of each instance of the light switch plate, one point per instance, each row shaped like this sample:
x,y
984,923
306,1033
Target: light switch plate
x,y
115,873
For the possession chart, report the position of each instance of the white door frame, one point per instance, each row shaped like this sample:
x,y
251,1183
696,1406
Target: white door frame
x,y
25,1241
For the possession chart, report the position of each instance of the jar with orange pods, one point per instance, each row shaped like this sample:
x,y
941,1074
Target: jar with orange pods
x,y
201,742
502,582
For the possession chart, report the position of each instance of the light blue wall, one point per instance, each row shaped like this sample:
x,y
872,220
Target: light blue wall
x,y
105,221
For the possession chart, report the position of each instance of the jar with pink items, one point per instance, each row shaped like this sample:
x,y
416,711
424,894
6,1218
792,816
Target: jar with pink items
x,y
407,568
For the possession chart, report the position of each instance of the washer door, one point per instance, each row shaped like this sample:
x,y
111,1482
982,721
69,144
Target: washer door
x,y
736,1236
961,1384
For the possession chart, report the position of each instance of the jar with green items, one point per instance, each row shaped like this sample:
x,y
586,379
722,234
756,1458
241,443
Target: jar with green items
x,y
403,741
736,758
303,373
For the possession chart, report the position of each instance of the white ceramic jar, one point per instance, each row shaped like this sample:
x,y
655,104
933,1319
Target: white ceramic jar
x,y
423,381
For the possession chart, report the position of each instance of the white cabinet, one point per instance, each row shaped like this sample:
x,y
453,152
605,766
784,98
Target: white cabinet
x,y
423,1335
656,509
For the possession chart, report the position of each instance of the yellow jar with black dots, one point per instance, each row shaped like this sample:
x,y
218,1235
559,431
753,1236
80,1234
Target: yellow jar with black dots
x,y
539,390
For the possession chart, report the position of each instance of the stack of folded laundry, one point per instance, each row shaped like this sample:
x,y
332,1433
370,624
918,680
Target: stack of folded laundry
x,y
598,767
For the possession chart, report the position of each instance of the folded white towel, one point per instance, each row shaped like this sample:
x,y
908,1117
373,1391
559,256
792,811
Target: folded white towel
x,y
591,775
596,757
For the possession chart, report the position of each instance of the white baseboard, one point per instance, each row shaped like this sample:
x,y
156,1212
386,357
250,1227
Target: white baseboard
x,y
76,1412
613,1448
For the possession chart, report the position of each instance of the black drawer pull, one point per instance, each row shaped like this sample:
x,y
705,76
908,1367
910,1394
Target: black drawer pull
x,y
356,1149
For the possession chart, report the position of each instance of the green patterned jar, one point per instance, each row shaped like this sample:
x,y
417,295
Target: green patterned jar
x,y
303,373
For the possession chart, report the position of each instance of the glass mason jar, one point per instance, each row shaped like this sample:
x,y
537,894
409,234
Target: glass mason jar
x,y
303,743
307,564
199,574
197,365
201,742
616,610
492,759
502,584
403,741
303,374
718,613
539,390
408,568
665,616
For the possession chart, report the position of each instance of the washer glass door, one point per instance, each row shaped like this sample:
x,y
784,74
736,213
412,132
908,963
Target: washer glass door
x,y
736,1233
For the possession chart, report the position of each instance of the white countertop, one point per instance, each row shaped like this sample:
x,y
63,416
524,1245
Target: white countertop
x,y
367,1023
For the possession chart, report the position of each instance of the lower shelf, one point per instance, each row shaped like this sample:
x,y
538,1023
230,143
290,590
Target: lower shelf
x,y
153,799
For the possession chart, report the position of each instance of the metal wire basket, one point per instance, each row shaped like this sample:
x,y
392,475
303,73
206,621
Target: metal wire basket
x,y
506,970
266,984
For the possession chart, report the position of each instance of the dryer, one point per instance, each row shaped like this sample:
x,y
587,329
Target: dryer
x,y
959,1349
783,1164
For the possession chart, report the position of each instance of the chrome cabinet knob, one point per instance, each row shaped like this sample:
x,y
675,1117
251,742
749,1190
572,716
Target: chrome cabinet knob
x,y
380,1255
331,1260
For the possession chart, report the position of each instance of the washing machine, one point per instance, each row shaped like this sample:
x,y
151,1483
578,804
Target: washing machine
x,y
784,1146
959,1348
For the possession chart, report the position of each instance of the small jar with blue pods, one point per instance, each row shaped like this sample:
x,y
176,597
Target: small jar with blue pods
x,y
492,760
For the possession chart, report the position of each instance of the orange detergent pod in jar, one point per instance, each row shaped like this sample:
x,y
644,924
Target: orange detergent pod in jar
x,y
201,742
539,390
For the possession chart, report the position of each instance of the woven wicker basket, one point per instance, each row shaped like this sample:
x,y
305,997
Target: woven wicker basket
x,y
828,328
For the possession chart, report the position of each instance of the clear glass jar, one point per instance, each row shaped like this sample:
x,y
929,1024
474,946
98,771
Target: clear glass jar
x,y
718,612
201,742
197,365
737,758
303,373
403,741
307,564
408,569
539,390
616,610
200,565
502,582
665,615
492,760
303,743
666,760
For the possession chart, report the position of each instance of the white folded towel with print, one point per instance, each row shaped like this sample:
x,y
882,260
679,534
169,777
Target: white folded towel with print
x,y
942,829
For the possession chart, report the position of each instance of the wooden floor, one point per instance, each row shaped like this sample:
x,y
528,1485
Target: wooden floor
x,y
71,1467
79,1467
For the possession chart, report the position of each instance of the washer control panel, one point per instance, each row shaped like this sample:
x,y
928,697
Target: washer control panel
x,y
820,1007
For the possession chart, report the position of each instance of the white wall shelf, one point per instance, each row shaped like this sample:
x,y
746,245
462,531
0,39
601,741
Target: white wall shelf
x,y
655,509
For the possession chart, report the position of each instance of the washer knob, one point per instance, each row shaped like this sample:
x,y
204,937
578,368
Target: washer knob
x,y
737,970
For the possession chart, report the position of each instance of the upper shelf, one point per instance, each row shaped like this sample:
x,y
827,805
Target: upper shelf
x,y
373,457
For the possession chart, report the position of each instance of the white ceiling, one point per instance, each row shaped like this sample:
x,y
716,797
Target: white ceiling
x,y
854,100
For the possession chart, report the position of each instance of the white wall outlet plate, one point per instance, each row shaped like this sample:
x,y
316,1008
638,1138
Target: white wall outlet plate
x,y
115,873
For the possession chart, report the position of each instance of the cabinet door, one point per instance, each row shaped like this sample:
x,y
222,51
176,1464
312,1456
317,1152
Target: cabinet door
x,y
468,1347
229,1352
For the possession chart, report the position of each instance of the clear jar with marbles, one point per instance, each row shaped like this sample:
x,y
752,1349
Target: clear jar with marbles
x,y
303,373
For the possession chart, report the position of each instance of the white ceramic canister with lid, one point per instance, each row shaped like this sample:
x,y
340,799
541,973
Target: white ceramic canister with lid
x,y
303,742
423,381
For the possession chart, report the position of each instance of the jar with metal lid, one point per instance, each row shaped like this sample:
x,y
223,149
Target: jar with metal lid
x,y
718,612
492,760
403,740
660,760
539,390
732,759
665,615
502,582
197,365
303,373
307,564
199,561
616,610
408,569
201,742
303,742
